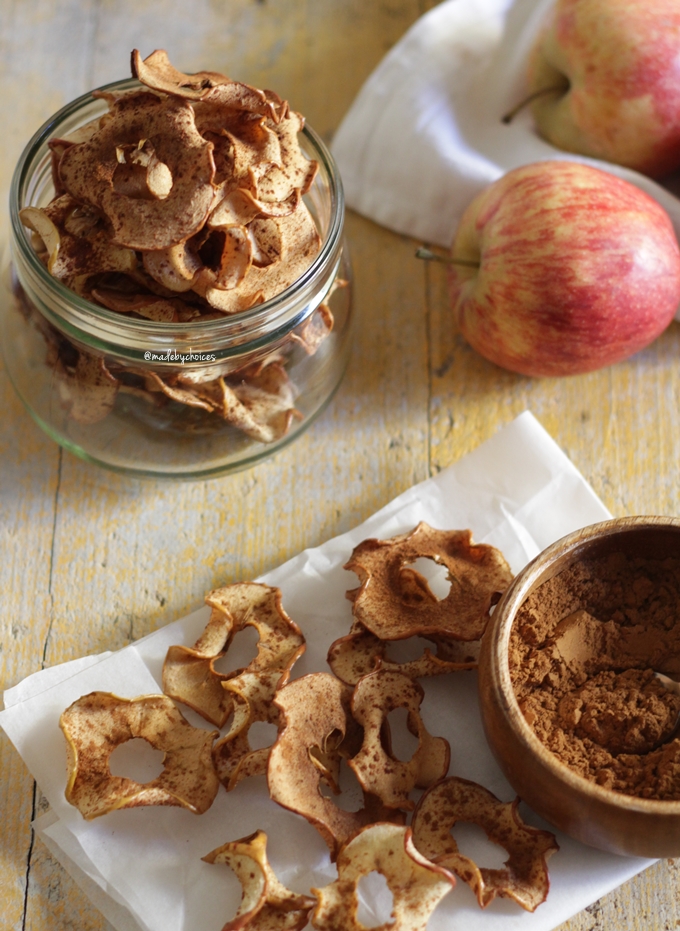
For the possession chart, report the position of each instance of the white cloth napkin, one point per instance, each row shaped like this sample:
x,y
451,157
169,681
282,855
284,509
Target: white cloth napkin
x,y
425,135
143,867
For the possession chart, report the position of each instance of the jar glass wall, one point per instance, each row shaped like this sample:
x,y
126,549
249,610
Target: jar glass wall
x,y
176,400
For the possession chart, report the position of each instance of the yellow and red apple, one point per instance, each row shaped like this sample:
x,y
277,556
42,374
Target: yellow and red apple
x,y
572,269
611,69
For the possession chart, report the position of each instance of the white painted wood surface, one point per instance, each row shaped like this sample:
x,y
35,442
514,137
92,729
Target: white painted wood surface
x,y
90,561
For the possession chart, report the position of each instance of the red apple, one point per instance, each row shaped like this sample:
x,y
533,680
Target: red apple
x,y
572,269
618,64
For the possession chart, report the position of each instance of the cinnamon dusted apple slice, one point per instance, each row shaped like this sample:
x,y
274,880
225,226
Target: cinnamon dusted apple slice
x,y
189,673
76,243
416,884
88,171
314,725
524,877
97,723
378,770
478,575
266,904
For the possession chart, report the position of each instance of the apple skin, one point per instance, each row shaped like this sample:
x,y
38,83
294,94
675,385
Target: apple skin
x,y
619,63
578,269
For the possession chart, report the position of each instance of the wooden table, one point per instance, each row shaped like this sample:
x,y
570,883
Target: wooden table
x,y
91,561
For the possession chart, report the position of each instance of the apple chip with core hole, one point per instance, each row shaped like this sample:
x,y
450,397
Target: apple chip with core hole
x,y
416,884
388,608
253,604
252,694
361,652
189,673
97,723
266,904
379,772
524,876
89,171
314,724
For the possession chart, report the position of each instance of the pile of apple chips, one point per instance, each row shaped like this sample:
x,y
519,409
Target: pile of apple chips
x,y
183,203
327,722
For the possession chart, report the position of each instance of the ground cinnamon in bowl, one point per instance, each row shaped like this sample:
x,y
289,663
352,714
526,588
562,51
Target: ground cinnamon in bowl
x,y
583,651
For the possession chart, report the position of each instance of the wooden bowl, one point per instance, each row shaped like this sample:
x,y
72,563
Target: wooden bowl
x,y
597,816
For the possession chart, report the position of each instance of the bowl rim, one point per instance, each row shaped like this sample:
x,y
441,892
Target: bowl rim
x,y
532,575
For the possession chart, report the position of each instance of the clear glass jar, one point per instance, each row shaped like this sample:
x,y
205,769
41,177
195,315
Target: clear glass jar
x,y
85,372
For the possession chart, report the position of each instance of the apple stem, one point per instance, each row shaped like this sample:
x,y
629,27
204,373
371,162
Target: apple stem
x,y
555,89
430,256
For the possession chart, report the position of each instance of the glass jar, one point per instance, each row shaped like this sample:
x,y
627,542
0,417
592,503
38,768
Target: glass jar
x,y
93,378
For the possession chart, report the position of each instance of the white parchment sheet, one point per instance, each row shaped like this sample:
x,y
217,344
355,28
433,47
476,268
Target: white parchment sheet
x,y
143,867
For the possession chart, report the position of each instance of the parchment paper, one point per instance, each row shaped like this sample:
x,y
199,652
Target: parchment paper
x,y
143,868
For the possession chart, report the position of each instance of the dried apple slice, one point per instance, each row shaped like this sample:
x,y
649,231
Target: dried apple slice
x,y
379,772
315,329
87,171
97,723
360,652
252,694
157,72
87,390
252,604
189,673
314,718
266,904
175,267
524,876
417,885
478,574
75,242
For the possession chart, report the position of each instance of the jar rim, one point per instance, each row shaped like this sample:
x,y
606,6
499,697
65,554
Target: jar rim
x,y
107,326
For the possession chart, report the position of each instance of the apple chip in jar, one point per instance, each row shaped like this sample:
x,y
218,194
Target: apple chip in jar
x,y
386,606
97,723
416,884
524,877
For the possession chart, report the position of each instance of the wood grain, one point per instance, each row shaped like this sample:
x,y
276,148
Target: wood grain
x,y
90,561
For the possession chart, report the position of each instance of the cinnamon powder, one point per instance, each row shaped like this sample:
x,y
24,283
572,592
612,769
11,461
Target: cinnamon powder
x,y
583,651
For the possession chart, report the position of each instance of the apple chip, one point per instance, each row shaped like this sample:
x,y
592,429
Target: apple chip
x,y
252,604
97,723
314,724
157,73
379,772
416,884
75,242
149,306
315,329
252,694
87,389
175,267
360,652
266,904
478,575
88,171
189,674
524,876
